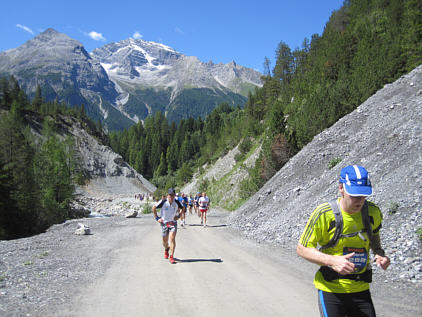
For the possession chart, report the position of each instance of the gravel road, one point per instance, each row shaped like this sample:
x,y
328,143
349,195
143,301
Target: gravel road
x,y
119,270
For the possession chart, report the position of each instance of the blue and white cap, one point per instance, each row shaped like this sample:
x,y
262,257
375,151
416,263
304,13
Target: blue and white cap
x,y
356,180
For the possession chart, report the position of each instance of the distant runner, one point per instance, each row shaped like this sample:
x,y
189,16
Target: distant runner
x,y
190,202
179,198
204,204
170,210
185,207
196,204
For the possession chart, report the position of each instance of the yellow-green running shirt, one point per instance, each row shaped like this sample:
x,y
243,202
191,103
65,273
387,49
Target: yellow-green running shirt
x,y
316,234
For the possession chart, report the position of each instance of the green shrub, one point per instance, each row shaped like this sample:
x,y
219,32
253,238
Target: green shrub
x,y
203,186
334,162
239,157
245,145
43,255
392,207
419,233
147,209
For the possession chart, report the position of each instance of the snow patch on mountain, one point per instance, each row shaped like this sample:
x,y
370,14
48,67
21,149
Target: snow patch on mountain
x,y
103,111
150,64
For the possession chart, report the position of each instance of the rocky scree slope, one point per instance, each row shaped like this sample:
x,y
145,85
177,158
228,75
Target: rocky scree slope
x,y
224,177
384,134
109,173
109,176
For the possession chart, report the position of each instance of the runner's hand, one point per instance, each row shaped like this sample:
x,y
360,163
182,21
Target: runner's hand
x,y
382,261
342,265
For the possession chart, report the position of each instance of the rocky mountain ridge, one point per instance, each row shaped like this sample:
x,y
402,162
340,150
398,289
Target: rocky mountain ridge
x,y
122,83
64,70
150,64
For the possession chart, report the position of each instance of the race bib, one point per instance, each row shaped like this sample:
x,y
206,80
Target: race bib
x,y
359,259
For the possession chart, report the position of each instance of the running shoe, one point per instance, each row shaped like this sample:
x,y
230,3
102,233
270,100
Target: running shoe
x,y
166,254
172,261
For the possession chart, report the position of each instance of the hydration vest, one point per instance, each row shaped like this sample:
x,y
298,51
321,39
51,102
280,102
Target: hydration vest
x,y
328,273
338,233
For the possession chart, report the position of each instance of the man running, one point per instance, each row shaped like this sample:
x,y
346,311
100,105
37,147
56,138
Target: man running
x,y
196,203
185,207
204,204
170,210
179,198
345,273
190,203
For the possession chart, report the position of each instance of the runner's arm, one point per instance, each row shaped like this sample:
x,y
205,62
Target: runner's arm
x,y
381,259
338,263
154,210
179,206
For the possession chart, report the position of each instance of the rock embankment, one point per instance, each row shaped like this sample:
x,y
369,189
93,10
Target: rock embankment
x,y
109,174
224,177
384,134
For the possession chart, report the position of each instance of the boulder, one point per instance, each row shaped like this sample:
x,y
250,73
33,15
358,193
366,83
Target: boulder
x,y
83,229
132,214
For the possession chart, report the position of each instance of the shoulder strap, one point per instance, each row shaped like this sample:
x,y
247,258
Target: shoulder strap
x,y
367,221
339,225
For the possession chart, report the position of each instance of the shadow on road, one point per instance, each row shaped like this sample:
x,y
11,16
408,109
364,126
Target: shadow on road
x,y
198,260
208,226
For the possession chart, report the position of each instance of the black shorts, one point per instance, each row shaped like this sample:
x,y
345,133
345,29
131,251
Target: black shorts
x,y
345,304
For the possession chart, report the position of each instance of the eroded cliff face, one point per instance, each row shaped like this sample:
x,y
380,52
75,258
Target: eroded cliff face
x,y
109,174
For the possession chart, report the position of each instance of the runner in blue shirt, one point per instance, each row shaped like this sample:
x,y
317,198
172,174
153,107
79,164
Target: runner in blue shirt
x,y
190,203
179,198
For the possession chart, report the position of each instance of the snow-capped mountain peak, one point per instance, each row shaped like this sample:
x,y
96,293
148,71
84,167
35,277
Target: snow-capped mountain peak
x,y
123,82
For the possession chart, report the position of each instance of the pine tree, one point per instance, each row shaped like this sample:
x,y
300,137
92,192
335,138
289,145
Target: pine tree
x,y
172,156
37,101
283,68
162,167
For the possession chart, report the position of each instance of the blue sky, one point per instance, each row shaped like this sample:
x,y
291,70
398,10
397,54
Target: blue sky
x,y
221,31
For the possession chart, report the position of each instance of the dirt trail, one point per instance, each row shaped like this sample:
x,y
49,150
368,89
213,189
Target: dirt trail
x,y
215,275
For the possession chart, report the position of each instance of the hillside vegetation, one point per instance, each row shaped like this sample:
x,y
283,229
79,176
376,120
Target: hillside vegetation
x,y
365,45
38,164
384,134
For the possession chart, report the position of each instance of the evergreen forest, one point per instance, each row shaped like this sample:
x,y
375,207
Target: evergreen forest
x,y
37,173
365,45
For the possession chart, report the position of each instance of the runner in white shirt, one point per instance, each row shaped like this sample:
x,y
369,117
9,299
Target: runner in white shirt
x,y
168,220
204,205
